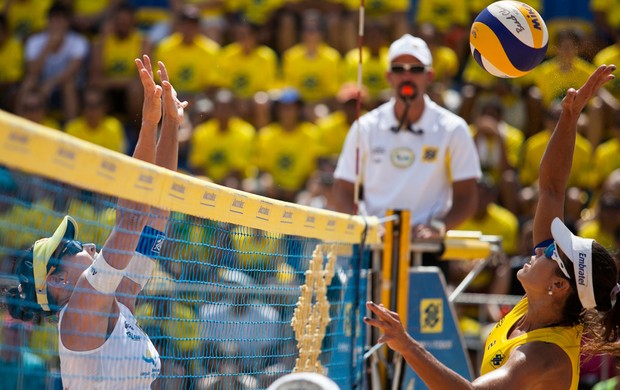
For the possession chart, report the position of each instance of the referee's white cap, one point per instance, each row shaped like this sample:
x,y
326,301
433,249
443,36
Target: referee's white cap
x,y
413,46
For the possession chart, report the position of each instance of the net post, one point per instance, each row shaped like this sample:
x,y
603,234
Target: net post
x,y
404,261
386,263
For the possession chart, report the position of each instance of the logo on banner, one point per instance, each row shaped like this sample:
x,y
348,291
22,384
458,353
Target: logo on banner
x,y
431,315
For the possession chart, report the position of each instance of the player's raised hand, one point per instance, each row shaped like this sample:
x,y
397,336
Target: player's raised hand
x,y
172,105
151,108
576,100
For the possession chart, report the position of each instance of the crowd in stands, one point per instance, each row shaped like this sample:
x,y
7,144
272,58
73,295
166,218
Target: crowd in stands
x,y
272,93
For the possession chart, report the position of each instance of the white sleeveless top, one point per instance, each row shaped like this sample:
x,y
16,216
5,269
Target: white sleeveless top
x,y
126,360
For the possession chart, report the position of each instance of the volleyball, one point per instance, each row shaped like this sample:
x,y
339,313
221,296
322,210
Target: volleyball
x,y
508,39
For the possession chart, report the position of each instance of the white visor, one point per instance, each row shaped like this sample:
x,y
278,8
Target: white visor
x,y
579,251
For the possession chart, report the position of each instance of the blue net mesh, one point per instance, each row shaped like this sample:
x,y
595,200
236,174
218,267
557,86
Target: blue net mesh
x,y
219,305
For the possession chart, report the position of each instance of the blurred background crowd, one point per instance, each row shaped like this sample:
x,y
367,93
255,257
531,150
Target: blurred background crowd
x,y
272,92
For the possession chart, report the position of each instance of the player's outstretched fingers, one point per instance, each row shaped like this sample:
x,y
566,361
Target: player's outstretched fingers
x,y
151,108
147,64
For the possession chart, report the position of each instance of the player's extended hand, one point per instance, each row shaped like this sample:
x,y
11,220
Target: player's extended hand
x,y
576,100
394,334
173,107
151,109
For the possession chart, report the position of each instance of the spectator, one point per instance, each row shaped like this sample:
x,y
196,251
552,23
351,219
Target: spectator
x,y
260,255
213,16
151,12
112,65
499,147
606,156
451,19
579,181
246,67
221,148
610,55
32,107
312,67
55,59
318,192
11,67
445,64
553,77
606,221
405,146
480,87
374,62
287,149
96,126
334,127
606,19
88,15
26,17
189,55
392,14
491,218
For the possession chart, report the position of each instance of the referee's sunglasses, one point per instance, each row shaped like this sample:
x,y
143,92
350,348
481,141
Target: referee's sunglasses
x,y
410,68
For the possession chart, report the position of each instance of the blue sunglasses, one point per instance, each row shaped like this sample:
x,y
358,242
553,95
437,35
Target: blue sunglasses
x,y
551,253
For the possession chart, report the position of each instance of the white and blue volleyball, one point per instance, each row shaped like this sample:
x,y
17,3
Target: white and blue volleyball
x,y
508,39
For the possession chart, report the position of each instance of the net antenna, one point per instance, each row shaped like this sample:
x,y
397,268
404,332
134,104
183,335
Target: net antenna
x,y
359,159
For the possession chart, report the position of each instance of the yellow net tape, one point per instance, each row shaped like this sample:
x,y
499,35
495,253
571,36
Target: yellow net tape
x,y
50,153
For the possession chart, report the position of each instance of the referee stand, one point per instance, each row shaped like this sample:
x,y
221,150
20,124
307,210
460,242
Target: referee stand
x,y
419,294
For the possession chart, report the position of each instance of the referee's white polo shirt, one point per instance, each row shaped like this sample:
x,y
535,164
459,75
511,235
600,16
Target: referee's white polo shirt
x,y
407,171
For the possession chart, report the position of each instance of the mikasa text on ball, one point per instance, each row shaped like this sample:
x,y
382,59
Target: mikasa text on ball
x,y
508,39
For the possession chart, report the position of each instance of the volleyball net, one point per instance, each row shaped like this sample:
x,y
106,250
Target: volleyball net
x,y
245,288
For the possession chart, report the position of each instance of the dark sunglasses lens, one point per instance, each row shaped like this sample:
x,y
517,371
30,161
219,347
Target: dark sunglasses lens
x,y
411,69
72,247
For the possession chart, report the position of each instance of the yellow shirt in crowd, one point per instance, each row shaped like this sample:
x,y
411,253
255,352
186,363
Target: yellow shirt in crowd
x,y
610,55
497,221
190,67
534,148
12,64
216,154
315,77
109,134
289,156
333,130
378,7
119,55
443,14
554,82
27,16
373,70
605,160
246,74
